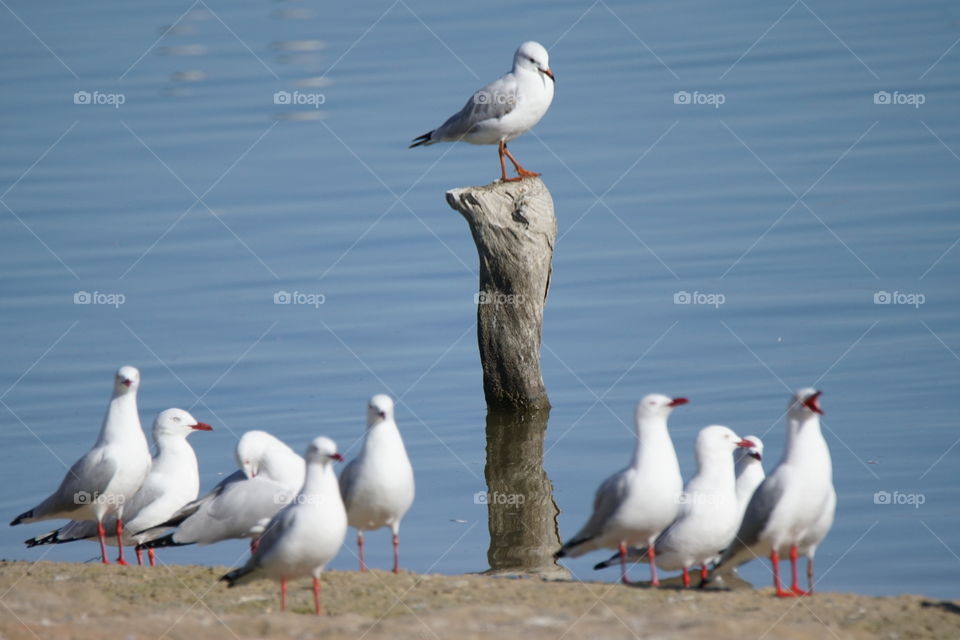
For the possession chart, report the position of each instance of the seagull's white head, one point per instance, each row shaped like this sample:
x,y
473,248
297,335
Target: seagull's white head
x,y
719,438
532,56
250,451
379,408
657,405
755,450
176,422
322,450
804,404
126,381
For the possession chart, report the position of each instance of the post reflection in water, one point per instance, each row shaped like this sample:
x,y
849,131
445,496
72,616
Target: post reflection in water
x,y
522,515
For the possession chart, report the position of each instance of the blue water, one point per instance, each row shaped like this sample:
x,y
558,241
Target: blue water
x,y
797,200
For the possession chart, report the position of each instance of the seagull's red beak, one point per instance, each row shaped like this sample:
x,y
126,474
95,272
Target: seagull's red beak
x,y
745,443
337,457
676,402
126,382
548,72
813,402
202,426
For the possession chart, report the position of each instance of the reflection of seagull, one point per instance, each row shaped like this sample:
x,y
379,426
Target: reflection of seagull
x,y
504,109
792,509
377,486
100,483
634,505
172,482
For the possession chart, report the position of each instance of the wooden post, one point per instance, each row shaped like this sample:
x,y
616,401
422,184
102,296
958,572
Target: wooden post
x,y
514,228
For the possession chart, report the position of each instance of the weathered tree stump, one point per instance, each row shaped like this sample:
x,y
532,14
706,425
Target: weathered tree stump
x,y
514,228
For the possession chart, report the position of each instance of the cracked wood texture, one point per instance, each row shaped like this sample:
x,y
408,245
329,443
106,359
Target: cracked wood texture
x,y
514,228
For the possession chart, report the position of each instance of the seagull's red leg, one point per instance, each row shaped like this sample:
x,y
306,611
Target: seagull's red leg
x,y
283,594
139,553
503,166
120,559
623,562
153,557
809,576
396,553
316,596
102,537
523,173
363,565
254,543
652,556
703,575
795,582
775,561
686,578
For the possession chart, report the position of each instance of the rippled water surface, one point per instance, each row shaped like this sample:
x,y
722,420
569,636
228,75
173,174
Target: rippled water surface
x,y
731,155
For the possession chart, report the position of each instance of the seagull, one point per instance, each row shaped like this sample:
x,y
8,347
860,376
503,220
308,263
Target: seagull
x,y
240,506
749,468
792,510
303,537
709,514
99,484
634,505
172,482
377,486
504,109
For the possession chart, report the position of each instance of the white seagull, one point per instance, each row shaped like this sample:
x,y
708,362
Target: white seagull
x,y
792,510
709,514
377,486
634,505
301,539
504,109
240,506
99,484
173,481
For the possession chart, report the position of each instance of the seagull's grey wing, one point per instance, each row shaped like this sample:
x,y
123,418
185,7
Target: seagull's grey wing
x,y
493,101
347,481
755,519
235,513
85,480
606,501
191,508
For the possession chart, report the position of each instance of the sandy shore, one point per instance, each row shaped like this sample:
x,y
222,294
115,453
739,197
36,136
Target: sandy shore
x,y
55,600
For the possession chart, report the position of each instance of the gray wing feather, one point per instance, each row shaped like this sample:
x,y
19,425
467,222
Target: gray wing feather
x,y
234,513
755,519
494,101
89,475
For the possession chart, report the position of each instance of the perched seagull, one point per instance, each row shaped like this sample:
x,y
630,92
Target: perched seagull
x,y
100,483
709,514
504,109
303,537
377,486
240,506
749,468
634,505
792,510
172,482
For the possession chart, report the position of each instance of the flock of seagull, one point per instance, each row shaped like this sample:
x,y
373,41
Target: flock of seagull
x,y
294,509
728,513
